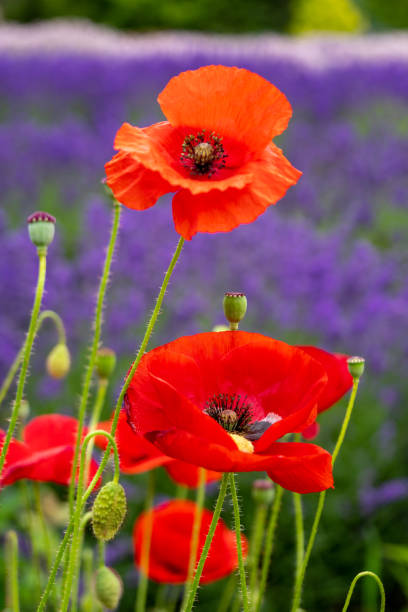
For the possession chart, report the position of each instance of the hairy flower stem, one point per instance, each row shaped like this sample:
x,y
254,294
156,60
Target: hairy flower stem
x,y
11,558
255,545
244,590
207,543
300,576
299,525
353,584
269,540
42,268
195,534
97,325
147,538
45,314
76,535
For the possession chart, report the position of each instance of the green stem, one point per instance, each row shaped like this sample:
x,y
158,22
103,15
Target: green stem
x,y
269,540
46,536
94,348
228,594
207,543
76,536
15,365
195,534
255,545
147,537
299,525
241,566
96,413
12,571
353,584
42,267
297,593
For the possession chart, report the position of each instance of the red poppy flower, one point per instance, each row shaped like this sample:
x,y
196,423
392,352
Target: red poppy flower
x,y
171,539
45,453
137,455
222,400
215,151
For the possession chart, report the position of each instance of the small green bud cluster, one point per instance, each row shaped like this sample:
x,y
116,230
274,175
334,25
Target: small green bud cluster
x,y
108,587
109,510
235,306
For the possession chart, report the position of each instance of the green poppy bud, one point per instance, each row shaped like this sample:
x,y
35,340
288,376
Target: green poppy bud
x,y
88,603
263,491
235,306
109,510
105,362
58,361
41,228
356,366
108,587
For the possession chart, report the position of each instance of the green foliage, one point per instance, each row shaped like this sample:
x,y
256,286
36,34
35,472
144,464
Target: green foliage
x,y
387,14
315,15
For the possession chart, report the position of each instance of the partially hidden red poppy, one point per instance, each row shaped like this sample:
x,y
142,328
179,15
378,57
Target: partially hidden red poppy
x,y
138,455
171,540
215,151
45,453
223,400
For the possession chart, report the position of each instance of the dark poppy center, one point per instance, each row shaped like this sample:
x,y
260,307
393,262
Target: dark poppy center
x,y
231,411
203,153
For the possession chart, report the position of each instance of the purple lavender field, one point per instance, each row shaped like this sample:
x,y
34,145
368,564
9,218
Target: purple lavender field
x,y
327,265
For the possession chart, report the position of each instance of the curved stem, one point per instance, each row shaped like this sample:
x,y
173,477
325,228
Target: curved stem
x,y
96,413
207,543
42,268
59,324
97,325
239,543
11,374
269,539
195,534
297,593
353,584
147,537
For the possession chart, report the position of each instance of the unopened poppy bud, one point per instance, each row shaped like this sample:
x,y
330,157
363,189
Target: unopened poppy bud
x,y
41,228
58,361
356,366
263,491
108,587
109,510
88,603
235,306
105,362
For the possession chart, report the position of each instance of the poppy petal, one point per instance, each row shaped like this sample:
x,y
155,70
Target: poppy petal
x,y
187,474
233,102
50,430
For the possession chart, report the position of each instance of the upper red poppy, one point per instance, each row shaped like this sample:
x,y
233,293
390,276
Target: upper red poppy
x,y
171,541
222,400
45,453
137,455
215,151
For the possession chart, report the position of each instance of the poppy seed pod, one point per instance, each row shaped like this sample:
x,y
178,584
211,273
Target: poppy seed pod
x,y
105,362
108,587
41,228
58,361
235,307
263,491
108,511
356,366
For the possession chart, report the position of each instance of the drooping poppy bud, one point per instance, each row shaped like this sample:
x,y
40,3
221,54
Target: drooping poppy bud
x,y
108,587
356,366
58,361
109,510
41,228
235,306
105,362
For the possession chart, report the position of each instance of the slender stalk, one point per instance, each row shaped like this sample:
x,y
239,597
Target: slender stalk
x,y
228,594
13,602
147,538
96,414
299,524
97,325
255,545
353,584
195,534
50,314
42,268
76,536
44,528
297,593
244,590
269,540
207,543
